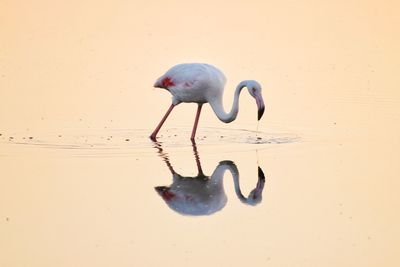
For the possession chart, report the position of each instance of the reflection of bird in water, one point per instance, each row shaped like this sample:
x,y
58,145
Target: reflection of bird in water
x,y
203,83
204,195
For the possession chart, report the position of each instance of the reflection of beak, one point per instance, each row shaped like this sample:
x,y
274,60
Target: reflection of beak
x,y
261,175
261,180
260,105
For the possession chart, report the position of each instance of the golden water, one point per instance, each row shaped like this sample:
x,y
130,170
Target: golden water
x,y
76,106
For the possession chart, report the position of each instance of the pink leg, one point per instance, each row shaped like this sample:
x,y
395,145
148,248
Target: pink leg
x,y
153,136
165,157
196,121
197,158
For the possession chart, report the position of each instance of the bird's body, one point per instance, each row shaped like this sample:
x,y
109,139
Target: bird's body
x,y
195,82
203,83
201,194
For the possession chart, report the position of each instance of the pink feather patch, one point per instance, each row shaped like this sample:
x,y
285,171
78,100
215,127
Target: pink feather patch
x,y
167,81
168,195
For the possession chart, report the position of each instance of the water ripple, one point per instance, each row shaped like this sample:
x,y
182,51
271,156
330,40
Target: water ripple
x,y
119,141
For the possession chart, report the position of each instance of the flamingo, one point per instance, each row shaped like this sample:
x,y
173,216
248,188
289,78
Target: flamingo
x,y
202,194
203,83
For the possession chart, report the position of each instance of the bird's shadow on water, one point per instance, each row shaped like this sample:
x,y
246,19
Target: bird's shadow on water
x,y
203,194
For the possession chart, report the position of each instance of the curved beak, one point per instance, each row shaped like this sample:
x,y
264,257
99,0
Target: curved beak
x,y
260,105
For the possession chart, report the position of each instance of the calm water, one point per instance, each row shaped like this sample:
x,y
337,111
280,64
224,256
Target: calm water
x,y
81,199
82,185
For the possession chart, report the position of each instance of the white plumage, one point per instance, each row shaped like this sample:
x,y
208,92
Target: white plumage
x,y
203,83
193,83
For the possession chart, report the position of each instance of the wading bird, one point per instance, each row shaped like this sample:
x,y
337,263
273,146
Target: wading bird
x,y
203,83
202,194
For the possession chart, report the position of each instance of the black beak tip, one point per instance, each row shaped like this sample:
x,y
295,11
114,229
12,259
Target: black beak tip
x,y
261,173
260,113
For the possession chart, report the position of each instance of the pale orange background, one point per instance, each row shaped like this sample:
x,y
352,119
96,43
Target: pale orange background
x,y
330,72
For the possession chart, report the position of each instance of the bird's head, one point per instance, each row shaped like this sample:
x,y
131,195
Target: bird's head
x,y
255,91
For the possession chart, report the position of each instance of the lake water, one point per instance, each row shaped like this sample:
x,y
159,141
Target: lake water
x,y
81,183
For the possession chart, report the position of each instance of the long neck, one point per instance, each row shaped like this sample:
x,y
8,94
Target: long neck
x,y
222,167
230,165
255,195
218,107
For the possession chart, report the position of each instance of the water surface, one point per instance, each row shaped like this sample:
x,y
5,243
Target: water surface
x,y
82,185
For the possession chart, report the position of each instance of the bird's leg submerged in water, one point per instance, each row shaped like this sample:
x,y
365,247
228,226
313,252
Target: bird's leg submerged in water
x,y
196,121
197,158
165,157
153,136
